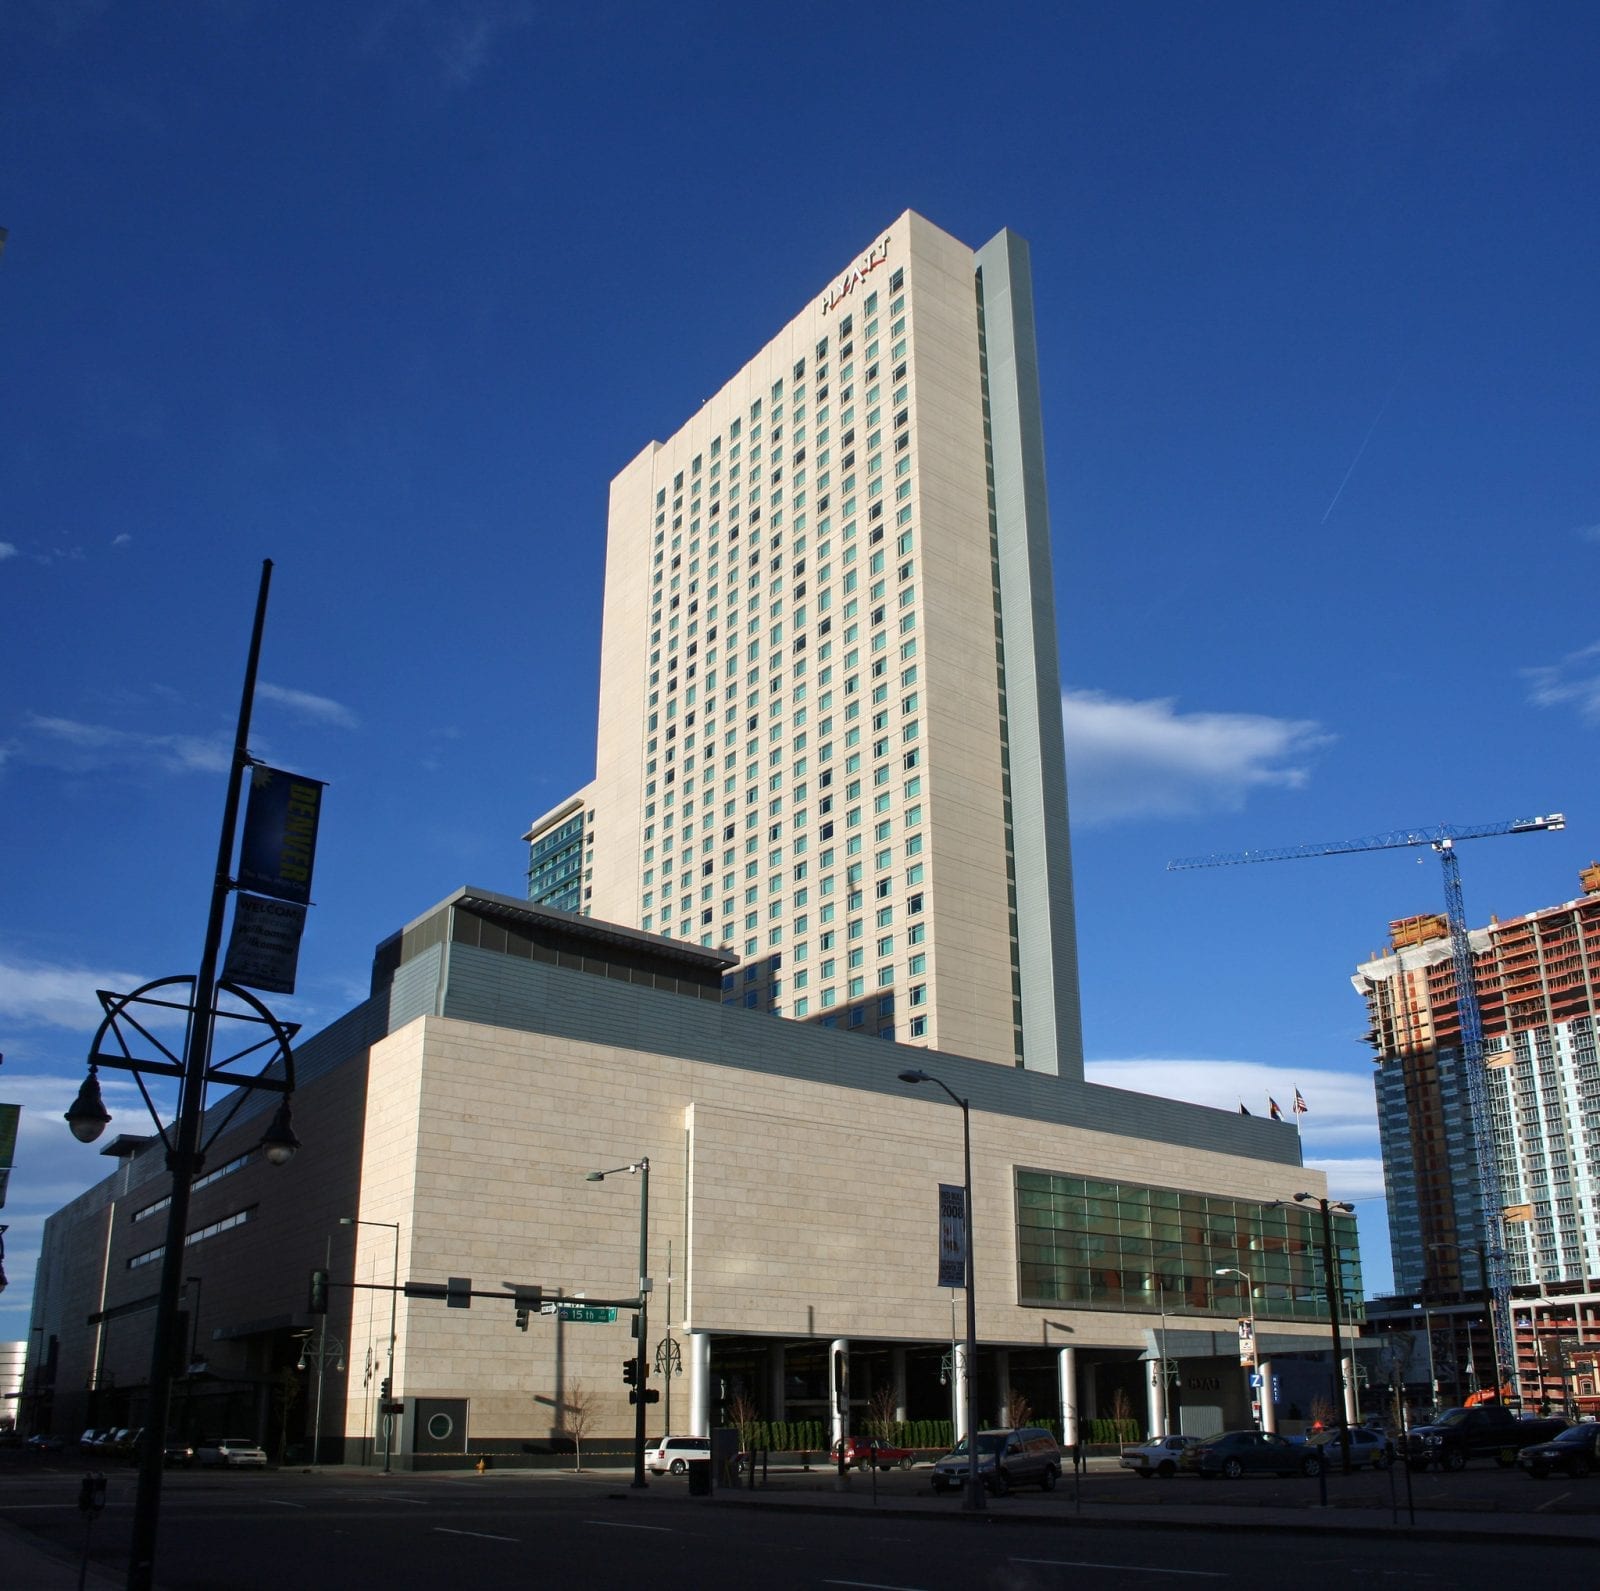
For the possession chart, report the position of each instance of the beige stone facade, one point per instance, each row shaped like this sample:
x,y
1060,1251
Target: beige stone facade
x,y
805,743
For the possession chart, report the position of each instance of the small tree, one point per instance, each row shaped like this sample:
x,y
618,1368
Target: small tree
x,y
881,1410
744,1417
577,1418
1018,1410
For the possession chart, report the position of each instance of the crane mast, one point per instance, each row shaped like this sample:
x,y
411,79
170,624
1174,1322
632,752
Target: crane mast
x,y
1442,839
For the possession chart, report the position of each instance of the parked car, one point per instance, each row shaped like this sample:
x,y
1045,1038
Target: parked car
x,y
40,1442
1158,1456
867,1452
674,1454
231,1452
1488,1430
1236,1453
90,1439
1368,1448
1026,1456
1575,1452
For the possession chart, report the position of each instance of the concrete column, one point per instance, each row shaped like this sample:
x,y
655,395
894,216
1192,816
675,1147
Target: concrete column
x,y
1156,1397
1348,1375
1067,1379
1269,1410
776,1404
839,1349
958,1391
1002,1385
897,1370
699,1356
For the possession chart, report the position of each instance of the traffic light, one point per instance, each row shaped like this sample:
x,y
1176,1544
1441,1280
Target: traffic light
x,y
384,1388
319,1293
522,1318
630,1372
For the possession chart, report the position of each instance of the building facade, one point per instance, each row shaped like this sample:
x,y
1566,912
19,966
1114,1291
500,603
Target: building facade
x,y
1538,984
792,1223
829,733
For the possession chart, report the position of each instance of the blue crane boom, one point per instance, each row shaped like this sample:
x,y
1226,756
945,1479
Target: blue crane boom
x,y
1442,839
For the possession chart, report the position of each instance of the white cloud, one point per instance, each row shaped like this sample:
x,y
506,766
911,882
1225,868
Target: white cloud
x,y
122,540
1142,758
319,709
1574,681
7,551
1589,532
77,747
39,995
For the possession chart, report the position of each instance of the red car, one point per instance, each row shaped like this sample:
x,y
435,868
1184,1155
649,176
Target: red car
x,y
867,1452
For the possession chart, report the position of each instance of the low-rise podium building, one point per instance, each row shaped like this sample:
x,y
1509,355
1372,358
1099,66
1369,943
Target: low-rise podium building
x,y
506,1051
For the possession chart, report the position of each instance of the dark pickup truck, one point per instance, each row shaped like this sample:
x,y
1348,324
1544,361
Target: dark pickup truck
x,y
1489,1431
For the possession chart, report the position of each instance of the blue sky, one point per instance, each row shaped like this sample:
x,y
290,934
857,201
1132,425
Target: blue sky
x,y
387,292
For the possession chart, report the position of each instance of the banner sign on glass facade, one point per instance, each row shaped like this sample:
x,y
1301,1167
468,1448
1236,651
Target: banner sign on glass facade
x,y
1247,1342
952,1235
280,834
264,949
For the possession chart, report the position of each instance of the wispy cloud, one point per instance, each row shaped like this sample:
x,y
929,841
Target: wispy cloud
x,y
319,709
77,747
1573,682
1142,758
1339,1132
37,994
122,539
1589,532
461,36
7,551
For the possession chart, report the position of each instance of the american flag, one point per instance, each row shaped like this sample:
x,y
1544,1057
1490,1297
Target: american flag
x,y
1300,1106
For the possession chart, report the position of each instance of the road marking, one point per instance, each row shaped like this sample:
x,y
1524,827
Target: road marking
x,y
617,1524
873,1585
278,1502
482,1535
1125,1568
1544,1505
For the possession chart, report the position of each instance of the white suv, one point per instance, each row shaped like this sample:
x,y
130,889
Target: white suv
x,y
674,1454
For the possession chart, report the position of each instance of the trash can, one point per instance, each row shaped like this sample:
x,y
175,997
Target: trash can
x,y
700,1477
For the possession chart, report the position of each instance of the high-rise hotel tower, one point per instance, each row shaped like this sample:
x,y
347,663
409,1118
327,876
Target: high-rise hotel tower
x,y
830,708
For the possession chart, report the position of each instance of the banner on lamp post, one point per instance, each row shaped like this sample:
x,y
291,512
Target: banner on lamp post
x,y
1247,1343
264,949
280,834
952,1235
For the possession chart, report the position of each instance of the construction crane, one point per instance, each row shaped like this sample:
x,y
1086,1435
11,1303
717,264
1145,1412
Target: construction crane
x,y
1443,839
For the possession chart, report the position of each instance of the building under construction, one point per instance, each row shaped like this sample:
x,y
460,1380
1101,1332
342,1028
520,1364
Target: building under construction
x,y
1538,987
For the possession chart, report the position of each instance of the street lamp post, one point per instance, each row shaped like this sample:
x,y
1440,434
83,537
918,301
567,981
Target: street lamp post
x,y
394,1294
1255,1345
183,1133
327,1349
641,1169
1330,1272
974,1498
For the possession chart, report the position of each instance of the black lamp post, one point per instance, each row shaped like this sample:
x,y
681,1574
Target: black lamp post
x,y
394,1293
127,1025
1330,1271
641,1169
974,1498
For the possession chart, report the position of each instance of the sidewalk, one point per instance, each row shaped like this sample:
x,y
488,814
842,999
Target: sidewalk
x,y
814,1491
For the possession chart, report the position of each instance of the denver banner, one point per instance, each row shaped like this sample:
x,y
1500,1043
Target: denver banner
x,y
952,1235
280,834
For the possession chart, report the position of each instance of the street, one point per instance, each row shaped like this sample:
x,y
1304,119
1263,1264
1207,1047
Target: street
x,y
319,1531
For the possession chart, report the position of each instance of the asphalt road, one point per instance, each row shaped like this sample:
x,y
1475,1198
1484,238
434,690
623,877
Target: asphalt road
x,y
331,1531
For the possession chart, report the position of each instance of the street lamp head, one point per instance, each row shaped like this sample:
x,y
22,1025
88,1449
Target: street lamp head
x,y
912,1075
1304,1198
594,1176
1345,1205
88,1116
279,1143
